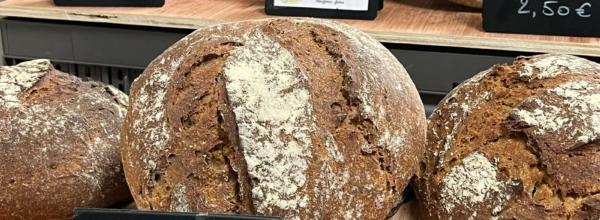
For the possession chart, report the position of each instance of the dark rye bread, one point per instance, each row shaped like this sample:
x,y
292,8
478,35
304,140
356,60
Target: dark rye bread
x,y
516,141
59,141
297,118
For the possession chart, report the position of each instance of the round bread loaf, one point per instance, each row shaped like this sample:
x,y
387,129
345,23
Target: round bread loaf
x,y
516,141
60,143
296,118
469,3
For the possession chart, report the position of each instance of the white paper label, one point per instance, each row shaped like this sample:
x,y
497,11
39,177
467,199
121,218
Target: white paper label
x,y
352,5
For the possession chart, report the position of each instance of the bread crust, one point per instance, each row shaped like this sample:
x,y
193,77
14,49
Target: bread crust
x,y
297,118
60,143
511,143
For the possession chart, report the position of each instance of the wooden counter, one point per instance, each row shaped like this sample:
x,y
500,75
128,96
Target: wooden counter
x,y
418,22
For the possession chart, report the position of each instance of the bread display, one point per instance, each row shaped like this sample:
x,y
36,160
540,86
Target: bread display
x,y
296,118
469,3
516,141
60,143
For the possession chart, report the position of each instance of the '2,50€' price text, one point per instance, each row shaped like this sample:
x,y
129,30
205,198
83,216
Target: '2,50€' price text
x,y
554,8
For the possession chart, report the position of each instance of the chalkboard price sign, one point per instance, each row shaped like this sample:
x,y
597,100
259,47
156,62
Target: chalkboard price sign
x,y
545,17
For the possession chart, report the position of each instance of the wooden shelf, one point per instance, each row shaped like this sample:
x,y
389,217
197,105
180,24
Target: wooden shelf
x,y
418,22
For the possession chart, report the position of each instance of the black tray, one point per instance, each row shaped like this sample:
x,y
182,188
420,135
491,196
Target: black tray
x,y
127,214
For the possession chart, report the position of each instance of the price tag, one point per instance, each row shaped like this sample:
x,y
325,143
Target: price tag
x,y
349,9
545,17
352,5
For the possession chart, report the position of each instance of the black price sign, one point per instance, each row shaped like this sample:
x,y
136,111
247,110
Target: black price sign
x,y
111,3
125,214
545,17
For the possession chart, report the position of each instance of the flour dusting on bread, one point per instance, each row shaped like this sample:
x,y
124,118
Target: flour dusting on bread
x,y
472,100
472,183
154,127
274,116
14,79
332,149
179,201
550,66
580,103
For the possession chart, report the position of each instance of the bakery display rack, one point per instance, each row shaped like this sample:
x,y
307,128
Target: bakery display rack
x,y
434,39
418,22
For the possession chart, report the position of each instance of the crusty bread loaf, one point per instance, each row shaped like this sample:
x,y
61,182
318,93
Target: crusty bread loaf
x,y
469,3
297,118
60,143
516,141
